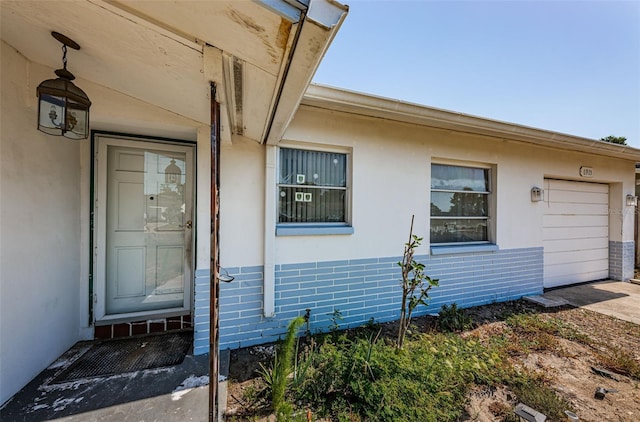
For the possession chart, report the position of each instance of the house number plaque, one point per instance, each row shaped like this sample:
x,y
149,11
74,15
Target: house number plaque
x,y
586,171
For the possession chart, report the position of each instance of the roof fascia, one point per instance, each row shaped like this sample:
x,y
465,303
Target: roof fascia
x,y
290,10
385,108
315,33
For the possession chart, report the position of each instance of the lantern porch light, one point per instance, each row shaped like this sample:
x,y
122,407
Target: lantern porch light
x,y
63,108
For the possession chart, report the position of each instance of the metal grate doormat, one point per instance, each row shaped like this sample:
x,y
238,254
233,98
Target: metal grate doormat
x,y
113,357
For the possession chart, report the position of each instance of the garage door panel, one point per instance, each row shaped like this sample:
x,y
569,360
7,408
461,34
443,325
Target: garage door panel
x,y
557,281
559,258
575,221
572,186
569,268
572,209
571,197
556,233
575,232
575,245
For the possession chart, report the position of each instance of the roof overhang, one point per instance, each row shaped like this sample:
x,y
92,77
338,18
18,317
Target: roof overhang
x,y
261,54
317,31
357,103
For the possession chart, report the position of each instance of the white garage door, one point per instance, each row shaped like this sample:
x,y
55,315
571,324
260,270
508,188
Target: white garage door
x,y
575,232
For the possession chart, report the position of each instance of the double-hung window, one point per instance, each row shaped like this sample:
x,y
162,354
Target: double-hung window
x,y
460,203
312,188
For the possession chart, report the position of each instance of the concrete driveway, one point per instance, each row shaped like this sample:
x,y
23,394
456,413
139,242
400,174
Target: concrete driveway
x,y
616,298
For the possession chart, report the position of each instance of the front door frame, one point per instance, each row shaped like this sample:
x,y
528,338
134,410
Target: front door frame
x,y
97,293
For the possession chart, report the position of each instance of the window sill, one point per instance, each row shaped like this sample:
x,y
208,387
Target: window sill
x,y
459,249
310,230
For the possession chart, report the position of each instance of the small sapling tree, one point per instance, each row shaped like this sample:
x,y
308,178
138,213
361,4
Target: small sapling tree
x,y
415,284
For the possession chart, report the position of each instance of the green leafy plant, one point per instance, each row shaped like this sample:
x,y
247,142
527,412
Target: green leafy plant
x,y
415,285
453,319
360,375
276,376
336,318
364,378
267,373
302,362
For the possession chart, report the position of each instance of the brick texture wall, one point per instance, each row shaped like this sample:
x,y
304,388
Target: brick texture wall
x,y
621,260
360,289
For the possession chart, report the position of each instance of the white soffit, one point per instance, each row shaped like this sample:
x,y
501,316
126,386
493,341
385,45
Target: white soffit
x,y
117,52
244,29
352,102
165,53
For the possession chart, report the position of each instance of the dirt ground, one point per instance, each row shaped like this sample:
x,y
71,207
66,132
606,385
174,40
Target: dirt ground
x,y
568,367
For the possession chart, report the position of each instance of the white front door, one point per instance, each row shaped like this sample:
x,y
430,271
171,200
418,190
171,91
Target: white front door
x,y
144,227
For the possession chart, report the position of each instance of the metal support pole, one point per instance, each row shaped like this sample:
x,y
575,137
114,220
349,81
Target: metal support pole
x,y
215,257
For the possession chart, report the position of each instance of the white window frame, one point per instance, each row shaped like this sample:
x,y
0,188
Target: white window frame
x,y
491,200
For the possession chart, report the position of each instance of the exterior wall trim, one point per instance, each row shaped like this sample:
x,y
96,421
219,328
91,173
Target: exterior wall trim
x,y
460,249
282,230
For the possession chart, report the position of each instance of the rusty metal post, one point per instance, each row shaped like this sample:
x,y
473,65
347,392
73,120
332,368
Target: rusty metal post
x,y
214,286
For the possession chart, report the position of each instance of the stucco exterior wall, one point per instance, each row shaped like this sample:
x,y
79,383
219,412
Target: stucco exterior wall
x,y
241,203
390,181
241,221
40,241
45,207
391,175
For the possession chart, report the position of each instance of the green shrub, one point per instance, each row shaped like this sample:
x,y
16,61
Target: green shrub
x,y
370,379
453,319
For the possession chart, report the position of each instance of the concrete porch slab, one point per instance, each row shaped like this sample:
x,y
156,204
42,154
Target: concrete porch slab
x,y
172,394
615,298
545,301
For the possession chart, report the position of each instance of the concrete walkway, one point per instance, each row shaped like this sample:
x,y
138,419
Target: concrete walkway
x,y
176,393
615,298
191,404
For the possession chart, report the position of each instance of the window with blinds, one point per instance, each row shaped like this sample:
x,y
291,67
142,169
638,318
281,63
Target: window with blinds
x,y
312,186
460,198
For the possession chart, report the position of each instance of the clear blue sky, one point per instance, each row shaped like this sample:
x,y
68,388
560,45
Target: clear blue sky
x,y
567,66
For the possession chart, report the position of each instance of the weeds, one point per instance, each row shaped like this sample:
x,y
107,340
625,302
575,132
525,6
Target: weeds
x,y
534,333
336,319
367,376
532,390
359,375
453,319
277,375
620,361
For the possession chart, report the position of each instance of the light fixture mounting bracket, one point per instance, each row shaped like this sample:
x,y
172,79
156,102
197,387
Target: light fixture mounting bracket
x,y
65,40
